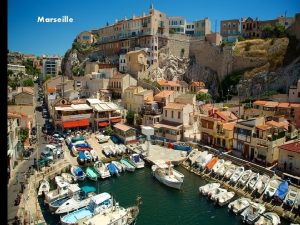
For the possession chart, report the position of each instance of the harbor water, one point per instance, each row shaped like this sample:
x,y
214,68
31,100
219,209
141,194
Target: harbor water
x,y
161,205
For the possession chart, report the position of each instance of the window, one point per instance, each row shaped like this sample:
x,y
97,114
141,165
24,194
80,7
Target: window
x,y
166,113
179,115
298,94
172,114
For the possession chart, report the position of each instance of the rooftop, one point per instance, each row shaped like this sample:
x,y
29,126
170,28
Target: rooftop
x,y
171,83
174,105
122,127
167,124
293,146
228,126
163,94
198,84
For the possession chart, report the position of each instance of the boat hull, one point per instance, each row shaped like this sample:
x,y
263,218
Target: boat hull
x,y
176,185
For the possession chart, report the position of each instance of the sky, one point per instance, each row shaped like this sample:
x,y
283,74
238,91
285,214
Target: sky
x,y
28,36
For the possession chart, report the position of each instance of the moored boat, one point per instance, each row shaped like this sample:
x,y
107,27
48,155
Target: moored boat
x,y
60,191
44,188
91,173
101,168
252,213
78,173
239,205
68,177
252,181
268,218
113,170
291,197
225,198
211,163
229,171
214,194
236,175
271,188
281,191
222,170
244,177
121,168
129,167
261,184
137,161
218,165
208,187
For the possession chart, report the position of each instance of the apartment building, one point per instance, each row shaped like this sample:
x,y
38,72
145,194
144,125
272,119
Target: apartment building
x,y
177,24
16,69
230,29
189,28
137,63
122,63
202,27
179,86
294,93
51,65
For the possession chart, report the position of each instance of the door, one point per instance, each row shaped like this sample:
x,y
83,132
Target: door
x,y
251,154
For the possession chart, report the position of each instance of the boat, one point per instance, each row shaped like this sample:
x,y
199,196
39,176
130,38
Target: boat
x,y
252,213
78,173
68,177
91,173
88,157
208,187
236,175
214,194
225,198
252,181
218,165
112,169
101,168
72,191
229,171
222,170
239,205
59,179
113,150
291,197
271,188
205,160
137,161
121,168
165,173
200,158
297,203
44,187
60,191
81,158
98,204
261,184
94,155
129,167
211,163
102,138
268,218
245,177
123,148
281,191
78,201
107,151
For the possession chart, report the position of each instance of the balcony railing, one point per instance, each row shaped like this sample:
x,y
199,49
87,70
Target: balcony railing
x,y
152,111
116,114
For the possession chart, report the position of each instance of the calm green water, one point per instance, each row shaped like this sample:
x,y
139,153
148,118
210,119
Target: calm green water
x,y
161,205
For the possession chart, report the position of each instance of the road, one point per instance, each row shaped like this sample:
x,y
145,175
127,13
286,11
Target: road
x,y
13,188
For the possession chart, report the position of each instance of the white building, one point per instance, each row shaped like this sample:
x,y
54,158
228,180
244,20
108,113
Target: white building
x,y
16,69
122,63
189,28
51,65
178,24
294,93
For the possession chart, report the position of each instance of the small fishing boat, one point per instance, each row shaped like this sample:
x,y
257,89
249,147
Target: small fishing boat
x,y
239,205
297,203
129,167
290,197
107,151
60,191
229,171
205,160
94,155
123,148
211,163
78,173
113,150
44,187
236,175
201,158
91,173
102,138
112,169
218,165
281,191
220,172
119,166
88,156
208,187
225,198
271,188
252,213
252,181
81,158
68,177
244,177
214,194
137,161
101,168
268,218
59,179
261,184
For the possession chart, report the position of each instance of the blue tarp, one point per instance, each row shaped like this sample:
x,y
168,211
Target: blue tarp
x,y
112,168
282,190
182,147
136,158
81,155
82,146
70,145
79,171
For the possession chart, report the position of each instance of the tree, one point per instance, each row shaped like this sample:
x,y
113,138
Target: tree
x,y
130,118
108,131
171,31
241,38
205,97
24,132
279,30
28,83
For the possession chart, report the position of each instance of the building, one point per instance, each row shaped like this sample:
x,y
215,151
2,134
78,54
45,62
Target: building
x,y
202,27
151,113
85,37
165,97
214,38
16,69
289,158
177,24
119,82
196,86
179,86
122,63
230,29
24,96
294,93
189,28
125,133
137,63
135,97
51,65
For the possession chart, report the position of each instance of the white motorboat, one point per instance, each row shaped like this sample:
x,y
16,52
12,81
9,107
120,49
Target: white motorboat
x,y
252,181
201,157
68,177
244,177
102,138
78,201
220,172
225,198
239,205
101,168
113,150
218,165
107,151
268,218
78,173
271,188
122,148
208,187
214,194
252,213
194,154
60,191
167,175
119,166
94,155
291,197
59,179
229,171
137,161
204,159
44,187
261,184
297,202
237,174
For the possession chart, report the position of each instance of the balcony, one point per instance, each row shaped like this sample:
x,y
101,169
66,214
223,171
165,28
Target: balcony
x,y
152,111
115,114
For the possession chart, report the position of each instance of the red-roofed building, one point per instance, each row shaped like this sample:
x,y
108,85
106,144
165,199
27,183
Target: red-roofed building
x,y
289,158
179,86
197,86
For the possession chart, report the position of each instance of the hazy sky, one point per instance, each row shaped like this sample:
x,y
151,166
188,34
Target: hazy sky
x,y
28,36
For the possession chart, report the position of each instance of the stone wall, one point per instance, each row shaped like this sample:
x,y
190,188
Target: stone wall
x,y
241,62
179,45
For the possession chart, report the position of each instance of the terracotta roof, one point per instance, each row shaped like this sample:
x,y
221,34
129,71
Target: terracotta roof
x,y
293,147
263,127
28,90
167,124
226,115
283,124
163,94
174,105
271,104
259,103
122,127
284,105
295,105
228,126
171,83
198,84
51,89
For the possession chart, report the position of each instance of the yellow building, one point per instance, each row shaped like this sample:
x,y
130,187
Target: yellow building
x,y
137,63
223,135
289,158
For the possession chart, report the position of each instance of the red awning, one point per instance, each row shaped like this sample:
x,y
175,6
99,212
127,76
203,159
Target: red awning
x,y
116,120
103,124
77,123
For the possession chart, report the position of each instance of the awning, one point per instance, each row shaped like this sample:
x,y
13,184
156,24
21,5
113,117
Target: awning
x,y
116,120
103,124
77,123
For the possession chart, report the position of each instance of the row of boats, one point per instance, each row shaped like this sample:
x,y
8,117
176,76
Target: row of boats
x,y
250,212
